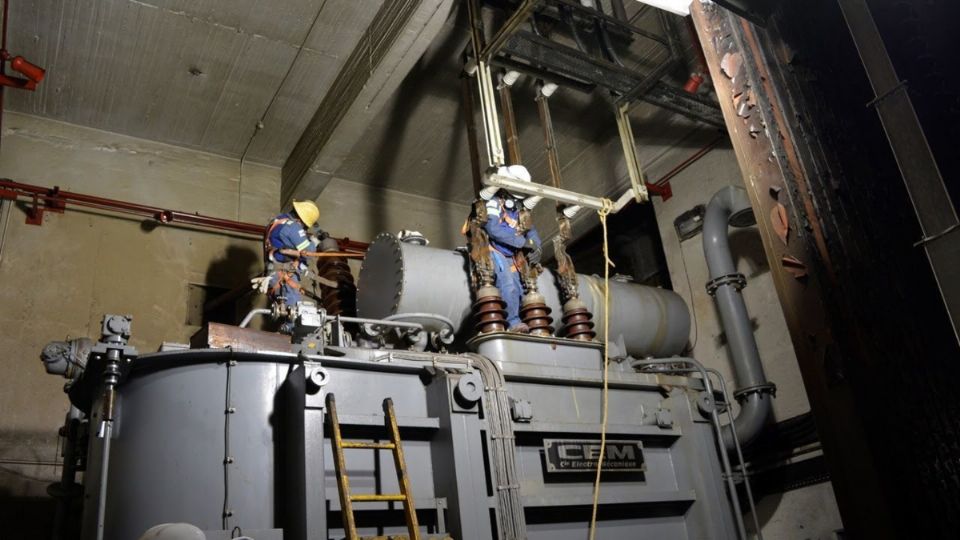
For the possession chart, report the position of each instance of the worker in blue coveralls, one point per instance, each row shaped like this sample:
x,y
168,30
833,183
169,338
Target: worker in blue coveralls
x,y
285,241
506,241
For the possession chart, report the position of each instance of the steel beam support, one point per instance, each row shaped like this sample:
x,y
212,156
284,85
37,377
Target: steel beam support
x,y
510,125
769,153
388,49
929,196
539,54
638,181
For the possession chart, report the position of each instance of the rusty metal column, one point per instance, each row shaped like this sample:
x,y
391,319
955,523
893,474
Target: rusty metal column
x,y
765,145
509,124
576,318
533,310
489,307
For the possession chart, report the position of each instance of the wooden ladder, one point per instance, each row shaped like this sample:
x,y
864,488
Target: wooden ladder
x,y
346,498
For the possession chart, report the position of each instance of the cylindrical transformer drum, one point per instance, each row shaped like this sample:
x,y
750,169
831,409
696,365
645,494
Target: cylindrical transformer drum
x,y
197,442
398,277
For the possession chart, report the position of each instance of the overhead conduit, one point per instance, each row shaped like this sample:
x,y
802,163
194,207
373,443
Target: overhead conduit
x,y
42,199
731,207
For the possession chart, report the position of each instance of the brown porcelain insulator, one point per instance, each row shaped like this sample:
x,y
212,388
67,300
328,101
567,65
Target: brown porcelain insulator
x,y
342,299
537,317
490,314
578,324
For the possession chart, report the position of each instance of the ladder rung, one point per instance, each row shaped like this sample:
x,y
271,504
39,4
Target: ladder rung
x,y
370,445
374,497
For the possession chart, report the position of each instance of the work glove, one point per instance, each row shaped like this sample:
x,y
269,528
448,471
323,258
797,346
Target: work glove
x,y
318,235
260,284
534,256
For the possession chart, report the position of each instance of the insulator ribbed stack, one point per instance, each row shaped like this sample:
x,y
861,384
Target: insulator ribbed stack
x,y
536,315
578,324
489,311
342,299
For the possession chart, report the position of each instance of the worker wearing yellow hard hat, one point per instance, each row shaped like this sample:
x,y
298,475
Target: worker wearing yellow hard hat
x,y
284,241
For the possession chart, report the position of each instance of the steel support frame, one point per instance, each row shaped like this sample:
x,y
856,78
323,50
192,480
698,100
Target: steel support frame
x,y
775,161
930,198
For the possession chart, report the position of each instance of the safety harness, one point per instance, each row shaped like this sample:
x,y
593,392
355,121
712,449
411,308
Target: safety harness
x,y
283,271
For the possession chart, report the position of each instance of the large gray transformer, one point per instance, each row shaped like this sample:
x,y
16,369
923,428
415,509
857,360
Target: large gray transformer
x,y
500,438
398,277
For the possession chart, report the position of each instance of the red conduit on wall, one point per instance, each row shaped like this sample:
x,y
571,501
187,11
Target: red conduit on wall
x,y
43,200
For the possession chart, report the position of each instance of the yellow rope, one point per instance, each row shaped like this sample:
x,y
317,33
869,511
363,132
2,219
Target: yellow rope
x,y
606,362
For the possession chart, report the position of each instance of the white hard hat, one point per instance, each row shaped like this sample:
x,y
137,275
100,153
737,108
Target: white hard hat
x,y
516,172
173,531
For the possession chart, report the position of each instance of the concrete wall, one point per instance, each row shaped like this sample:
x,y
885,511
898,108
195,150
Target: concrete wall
x,y
362,211
58,279
809,512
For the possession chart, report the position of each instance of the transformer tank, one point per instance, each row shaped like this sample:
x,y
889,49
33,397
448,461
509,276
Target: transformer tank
x,y
399,277
230,433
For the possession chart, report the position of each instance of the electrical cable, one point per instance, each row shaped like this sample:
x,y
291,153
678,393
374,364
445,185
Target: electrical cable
x,y
227,459
693,306
606,363
276,94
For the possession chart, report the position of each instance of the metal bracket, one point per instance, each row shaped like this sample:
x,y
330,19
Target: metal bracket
x,y
50,203
927,239
882,97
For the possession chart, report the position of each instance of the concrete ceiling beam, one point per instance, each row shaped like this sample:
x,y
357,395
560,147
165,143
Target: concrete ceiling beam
x,y
392,44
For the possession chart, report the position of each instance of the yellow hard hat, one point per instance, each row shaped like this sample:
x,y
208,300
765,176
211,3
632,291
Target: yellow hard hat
x,y
307,211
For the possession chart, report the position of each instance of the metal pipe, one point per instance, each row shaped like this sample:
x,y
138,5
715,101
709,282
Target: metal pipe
x,y
689,161
3,64
410,327
433,316
55,197
549,192
718,431
739,450
730,206
30,462
253,313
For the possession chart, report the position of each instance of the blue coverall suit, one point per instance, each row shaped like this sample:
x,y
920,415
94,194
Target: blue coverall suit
x,y
285,232
505,242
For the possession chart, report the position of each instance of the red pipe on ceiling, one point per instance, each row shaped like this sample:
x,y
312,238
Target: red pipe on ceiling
x,y
664,181
55,200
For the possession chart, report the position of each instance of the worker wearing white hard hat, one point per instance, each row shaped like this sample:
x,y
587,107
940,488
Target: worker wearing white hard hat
x,y
507,240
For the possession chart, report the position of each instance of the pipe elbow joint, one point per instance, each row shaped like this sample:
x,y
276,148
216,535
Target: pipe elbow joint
x,y
755,409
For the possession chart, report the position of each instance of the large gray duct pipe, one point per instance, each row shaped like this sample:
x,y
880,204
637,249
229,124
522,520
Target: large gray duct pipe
x,y
398,277
731,207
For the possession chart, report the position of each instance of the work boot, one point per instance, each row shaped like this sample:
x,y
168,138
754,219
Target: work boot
x,y
519,328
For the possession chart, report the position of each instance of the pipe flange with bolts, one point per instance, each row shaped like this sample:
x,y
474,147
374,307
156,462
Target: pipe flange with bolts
x,y
738,280
766,388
